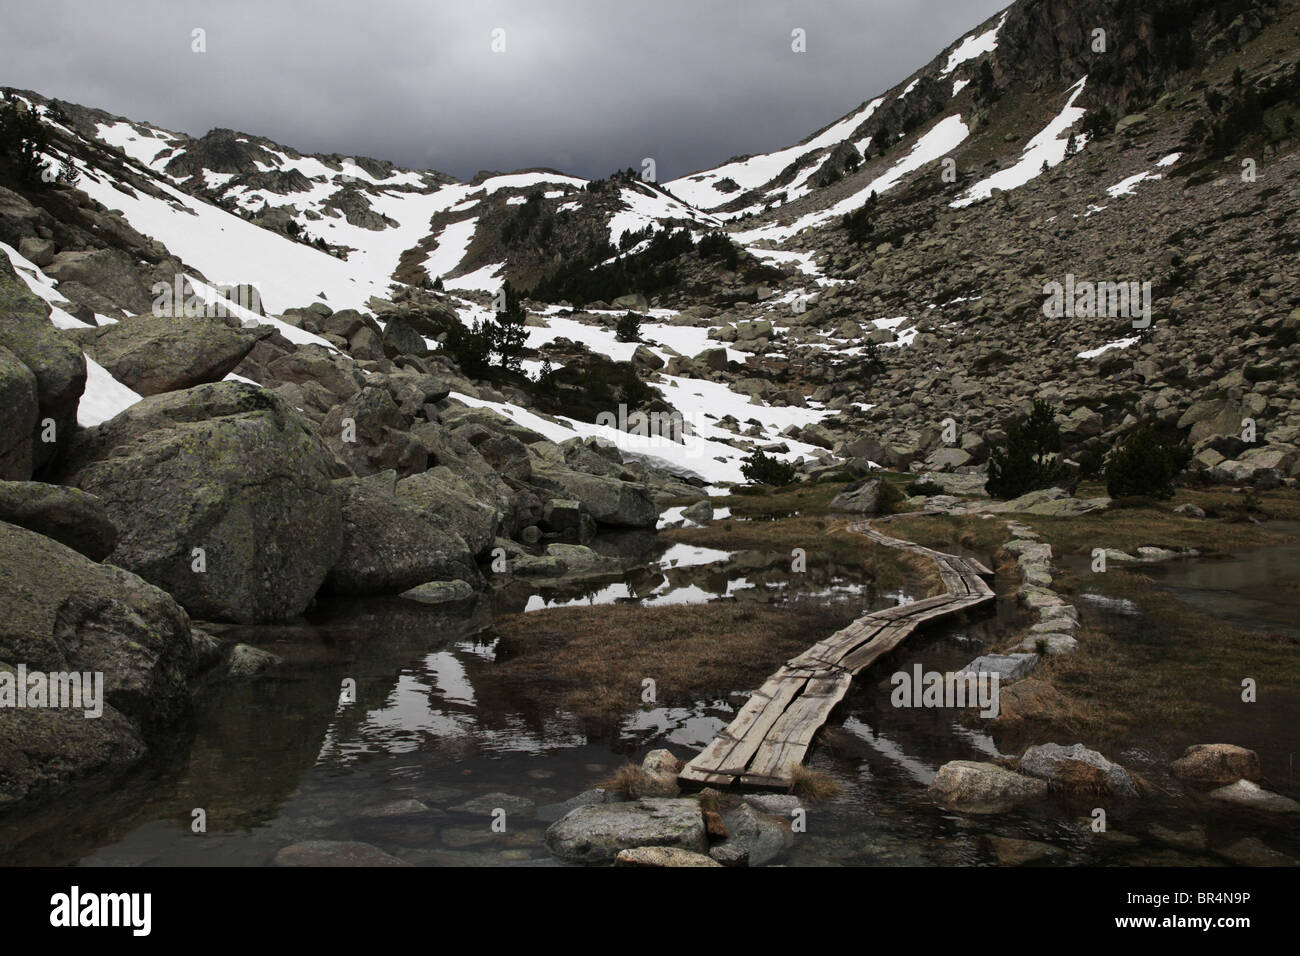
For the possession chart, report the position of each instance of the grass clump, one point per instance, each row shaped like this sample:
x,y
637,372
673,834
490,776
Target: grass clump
x,y
813,785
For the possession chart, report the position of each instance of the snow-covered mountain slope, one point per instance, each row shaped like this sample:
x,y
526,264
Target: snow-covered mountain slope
x,y
1012,141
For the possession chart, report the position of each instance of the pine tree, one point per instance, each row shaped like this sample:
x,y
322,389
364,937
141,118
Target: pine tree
x,y
508,332
1028,460
1145,464
759,469
628,328
22,140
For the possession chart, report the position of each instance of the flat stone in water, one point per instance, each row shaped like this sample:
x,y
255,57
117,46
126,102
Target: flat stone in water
x,y
397,809
1252,851
1011,851
1246,794
335,853
777,804
666,856
489,803
461,837
971,787
440,592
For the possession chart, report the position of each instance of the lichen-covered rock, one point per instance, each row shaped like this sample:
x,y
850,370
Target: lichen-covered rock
x,y
18,415
390,545
68,515
610,501
223,496
65,613
156,353
54,361
659,774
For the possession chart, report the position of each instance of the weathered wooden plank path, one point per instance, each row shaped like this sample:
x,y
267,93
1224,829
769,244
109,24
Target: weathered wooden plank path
x,y
771,734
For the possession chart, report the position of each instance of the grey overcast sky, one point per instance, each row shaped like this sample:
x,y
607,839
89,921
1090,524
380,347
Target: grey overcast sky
x,y
584,86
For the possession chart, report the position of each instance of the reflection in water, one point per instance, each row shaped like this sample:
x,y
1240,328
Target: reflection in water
x,y
1259,588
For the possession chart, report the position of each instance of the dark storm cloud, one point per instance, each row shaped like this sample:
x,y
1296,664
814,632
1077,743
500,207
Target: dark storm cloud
x,y
586,86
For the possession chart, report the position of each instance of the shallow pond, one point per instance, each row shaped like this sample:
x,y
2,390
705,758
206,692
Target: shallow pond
x,y
435,740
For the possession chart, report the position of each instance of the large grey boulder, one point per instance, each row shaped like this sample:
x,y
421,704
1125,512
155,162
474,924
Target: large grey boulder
x,y
610,501
159,353
108,274
1078,770
596,834
224,498
316,366
390,545
401,338
65,613
68,515
970,787
368,434
862,497
452,503
54,360
19,412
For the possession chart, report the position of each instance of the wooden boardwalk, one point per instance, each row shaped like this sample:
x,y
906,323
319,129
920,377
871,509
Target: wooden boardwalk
x,y
773,731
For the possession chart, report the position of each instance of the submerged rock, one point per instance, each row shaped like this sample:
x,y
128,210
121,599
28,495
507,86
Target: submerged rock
x,y
662,856
334,853
1011,851
753,838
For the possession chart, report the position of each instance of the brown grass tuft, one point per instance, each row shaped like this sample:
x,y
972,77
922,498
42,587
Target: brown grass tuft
x,y
813,785
628,781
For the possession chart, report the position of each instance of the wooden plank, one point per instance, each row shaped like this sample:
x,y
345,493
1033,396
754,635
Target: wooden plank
x,y
789,739
865,656
733,747
774,729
